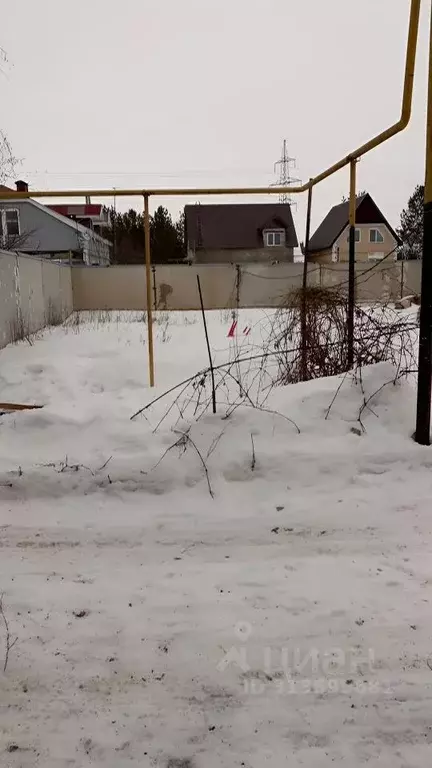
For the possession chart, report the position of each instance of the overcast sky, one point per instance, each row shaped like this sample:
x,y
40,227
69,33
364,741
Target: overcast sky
x,y
202,92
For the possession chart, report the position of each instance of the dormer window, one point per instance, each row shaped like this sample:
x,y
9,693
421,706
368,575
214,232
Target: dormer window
x,y
274,238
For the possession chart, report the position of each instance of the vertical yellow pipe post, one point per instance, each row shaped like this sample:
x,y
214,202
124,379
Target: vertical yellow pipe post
x,y
424,387
303,319
148,289
351,264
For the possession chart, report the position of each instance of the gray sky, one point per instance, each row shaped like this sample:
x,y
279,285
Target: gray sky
x,y
202,92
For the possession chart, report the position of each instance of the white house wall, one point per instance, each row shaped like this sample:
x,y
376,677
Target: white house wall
x,y
364,248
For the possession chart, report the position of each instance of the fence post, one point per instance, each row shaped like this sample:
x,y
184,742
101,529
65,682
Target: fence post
x,y
422,434
351,263
148,289
238,282
303,319
402,278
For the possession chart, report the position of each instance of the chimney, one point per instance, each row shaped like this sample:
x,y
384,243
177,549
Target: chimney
x,y
21,186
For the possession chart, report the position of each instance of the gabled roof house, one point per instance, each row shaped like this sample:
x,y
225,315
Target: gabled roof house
x,y
375,237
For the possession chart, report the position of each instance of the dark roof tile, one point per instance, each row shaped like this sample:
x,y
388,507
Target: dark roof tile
x,y
237,225
332,226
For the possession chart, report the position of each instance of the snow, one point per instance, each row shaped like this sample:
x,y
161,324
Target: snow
x,y
283,621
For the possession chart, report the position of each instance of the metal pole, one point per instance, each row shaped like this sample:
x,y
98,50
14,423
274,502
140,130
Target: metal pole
x,y
303,321
208,345
422,434
402,286
148,289
154,288
351,263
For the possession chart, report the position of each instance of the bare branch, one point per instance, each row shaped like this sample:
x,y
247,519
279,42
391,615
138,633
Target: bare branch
x,y
253,461
335,395
64,466
214,443
104,465
9,642
188,437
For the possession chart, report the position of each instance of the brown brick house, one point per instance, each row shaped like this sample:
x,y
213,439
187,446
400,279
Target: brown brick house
x,y
375,237
240,233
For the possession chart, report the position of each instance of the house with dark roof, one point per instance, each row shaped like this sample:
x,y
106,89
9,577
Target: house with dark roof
x,y
375,238
240,233
40,230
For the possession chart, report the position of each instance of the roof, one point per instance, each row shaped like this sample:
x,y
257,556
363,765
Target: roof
x,y
75,209
70,222
240,225
367,212
51,212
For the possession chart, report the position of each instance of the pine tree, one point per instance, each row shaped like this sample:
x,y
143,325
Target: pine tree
x,y
163,237
180,227
411,228
127,236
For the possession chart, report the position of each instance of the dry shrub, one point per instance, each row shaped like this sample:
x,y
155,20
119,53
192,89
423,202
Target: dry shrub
x,y
54,315
380,334
19,329
325,338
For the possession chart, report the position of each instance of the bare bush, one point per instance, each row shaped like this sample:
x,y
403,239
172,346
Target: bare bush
x,y
326,335
380,334
19,329
54,315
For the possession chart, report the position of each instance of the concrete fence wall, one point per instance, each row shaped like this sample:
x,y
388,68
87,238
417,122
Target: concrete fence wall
x,y
375,282
33,293
225,285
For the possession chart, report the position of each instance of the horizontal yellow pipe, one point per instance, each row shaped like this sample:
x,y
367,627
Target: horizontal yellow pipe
x,y
149,192
362,150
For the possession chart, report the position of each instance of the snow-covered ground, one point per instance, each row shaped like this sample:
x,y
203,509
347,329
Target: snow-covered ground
x,y
285,620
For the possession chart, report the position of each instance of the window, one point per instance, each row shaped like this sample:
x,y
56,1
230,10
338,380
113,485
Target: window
x,y
274,238
12,223
357,236
9,223
375,236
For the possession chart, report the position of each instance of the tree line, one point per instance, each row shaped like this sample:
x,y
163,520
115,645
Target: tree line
x,y
167,237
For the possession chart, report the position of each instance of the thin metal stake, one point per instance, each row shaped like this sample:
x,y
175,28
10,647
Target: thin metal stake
x,y
148,289
208,345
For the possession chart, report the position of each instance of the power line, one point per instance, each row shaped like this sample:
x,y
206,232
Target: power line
x,y
178,174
